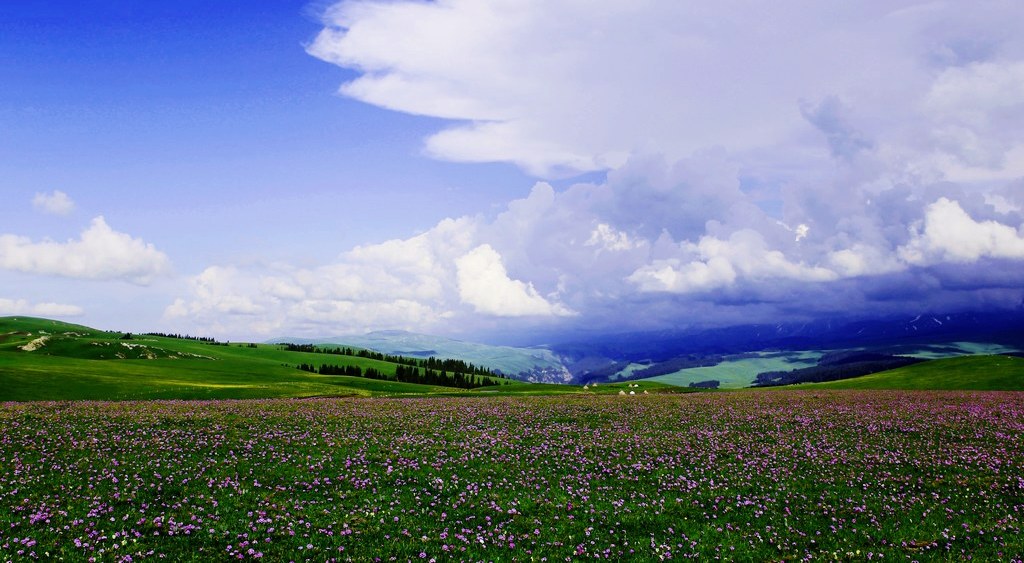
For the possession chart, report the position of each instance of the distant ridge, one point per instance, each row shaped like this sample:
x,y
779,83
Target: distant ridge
x,y
890,332
45,360
538,365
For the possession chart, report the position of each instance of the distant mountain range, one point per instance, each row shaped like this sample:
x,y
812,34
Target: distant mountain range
x,y
602,357
1006,327
605,357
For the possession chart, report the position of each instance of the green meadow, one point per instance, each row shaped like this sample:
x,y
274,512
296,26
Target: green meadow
x,y
977,373
735,476
50,360
514,471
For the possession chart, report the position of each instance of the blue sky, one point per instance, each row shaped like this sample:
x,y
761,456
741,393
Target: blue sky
x,y
494,170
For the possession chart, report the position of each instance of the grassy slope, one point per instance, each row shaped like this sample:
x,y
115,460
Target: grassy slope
x,y
77,362
740,373
984,373
82,363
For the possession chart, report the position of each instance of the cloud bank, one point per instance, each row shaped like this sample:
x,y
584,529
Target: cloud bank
x,y
575,87
789,160
22,307
100,253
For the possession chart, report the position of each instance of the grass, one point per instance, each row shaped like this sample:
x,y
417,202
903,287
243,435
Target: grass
x,y
80,363
986,373
749,476
76,363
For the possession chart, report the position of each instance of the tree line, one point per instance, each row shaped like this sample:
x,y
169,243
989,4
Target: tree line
x,y
408,374
431,363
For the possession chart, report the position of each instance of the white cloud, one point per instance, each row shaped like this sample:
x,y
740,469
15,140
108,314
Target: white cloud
x,y
397,284
558,85
977,111
949,234
484,283
100,253
719,124
418,283
863,260
282,288
673,276
54,203
721,262
568,254
972,92
605,237
23,307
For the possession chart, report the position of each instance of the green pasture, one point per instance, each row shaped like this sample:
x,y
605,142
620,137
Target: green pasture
x,y
75,363
976,373
80,363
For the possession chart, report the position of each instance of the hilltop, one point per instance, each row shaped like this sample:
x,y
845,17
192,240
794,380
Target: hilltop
x,y
976,373
42,359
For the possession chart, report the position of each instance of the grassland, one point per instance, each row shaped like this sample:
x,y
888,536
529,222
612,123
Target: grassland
x,y
513,472
747,476
994,373
49,360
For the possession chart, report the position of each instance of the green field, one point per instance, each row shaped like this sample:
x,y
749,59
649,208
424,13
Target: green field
x,y
72,362
983,373
50,360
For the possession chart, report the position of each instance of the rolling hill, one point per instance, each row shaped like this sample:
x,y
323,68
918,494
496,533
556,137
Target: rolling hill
x,y
976,373
537,365
42,359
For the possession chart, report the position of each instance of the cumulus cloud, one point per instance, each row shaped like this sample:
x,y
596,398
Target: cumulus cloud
x,y
949,234
396,284
863,260
607,238
54,203
484,284
568,257
101,253
760,161
744,255
46,309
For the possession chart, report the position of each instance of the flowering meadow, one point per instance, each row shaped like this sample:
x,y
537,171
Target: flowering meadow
x,y
787,475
